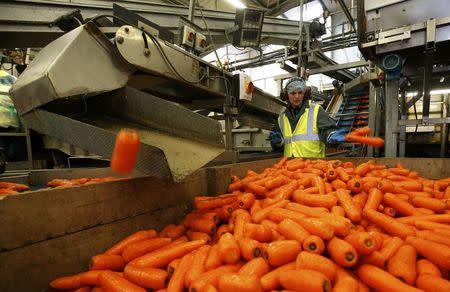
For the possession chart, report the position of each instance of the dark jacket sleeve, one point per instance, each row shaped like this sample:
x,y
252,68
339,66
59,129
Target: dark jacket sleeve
x,y
276,128
325,125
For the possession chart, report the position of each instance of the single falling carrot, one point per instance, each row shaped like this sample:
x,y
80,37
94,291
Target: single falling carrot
x,y
125,151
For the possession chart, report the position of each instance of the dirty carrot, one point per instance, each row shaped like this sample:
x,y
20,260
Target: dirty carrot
x,y
107,262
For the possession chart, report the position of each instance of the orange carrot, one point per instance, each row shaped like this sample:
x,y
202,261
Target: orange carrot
x,y
386,186
137,249
342,252
315,262
355,185
342,174
292,230
239,282
347,284
256,267
304,280
249,248
326,201
197,267
439,218
314,244
438,253
338,184
176,282
315,212
381,280
426,267
374,199
352,210
403,264
258,232
432,283
389,212
110,281
389,224
262,214
246,200
146,277
270,281
390,247
363,242
338,210
436,205
107,262
317,227
195,235
433,236
282,252
228,249
422,224
160,258
212,277
135,237
399,205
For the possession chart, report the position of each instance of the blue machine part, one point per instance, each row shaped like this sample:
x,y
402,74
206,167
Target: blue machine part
x,y
392,66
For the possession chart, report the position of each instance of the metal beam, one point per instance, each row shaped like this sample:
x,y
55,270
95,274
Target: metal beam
x,y
337,67
347,14
24,23
391,117
432,121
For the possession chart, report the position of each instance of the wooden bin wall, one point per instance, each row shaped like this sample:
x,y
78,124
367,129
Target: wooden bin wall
x,y
51,233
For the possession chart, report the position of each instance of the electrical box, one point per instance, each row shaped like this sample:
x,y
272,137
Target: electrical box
x,y
245,87
200,42
188,39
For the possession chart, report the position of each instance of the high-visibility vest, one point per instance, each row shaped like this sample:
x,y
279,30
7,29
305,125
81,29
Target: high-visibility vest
x,y
304,141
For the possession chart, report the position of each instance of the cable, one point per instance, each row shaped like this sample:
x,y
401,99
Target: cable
x,y
209,34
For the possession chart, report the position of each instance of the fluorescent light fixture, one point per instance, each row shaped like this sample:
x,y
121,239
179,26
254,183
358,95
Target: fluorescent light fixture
x,y
237,3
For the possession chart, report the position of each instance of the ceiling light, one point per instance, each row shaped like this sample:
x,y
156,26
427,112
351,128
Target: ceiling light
x,y
237,3
442,79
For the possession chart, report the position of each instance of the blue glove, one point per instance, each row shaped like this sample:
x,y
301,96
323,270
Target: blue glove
x,y
275,138
337,137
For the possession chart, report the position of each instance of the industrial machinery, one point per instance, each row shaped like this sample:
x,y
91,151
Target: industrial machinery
x,y
103,76
410,41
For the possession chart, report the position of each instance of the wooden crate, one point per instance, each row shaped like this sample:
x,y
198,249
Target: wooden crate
x,y
51,233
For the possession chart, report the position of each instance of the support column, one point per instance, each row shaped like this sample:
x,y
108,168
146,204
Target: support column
x,y
372,115
391,116
404,116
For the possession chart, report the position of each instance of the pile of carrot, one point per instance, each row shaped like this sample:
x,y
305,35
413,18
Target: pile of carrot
x,y
300,225
361,135
9,188
79,181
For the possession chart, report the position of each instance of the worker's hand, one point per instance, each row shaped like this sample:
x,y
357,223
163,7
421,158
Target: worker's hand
x,y
337,137
275,138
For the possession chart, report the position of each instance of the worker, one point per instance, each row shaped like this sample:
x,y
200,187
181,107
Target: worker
x,y
312,125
